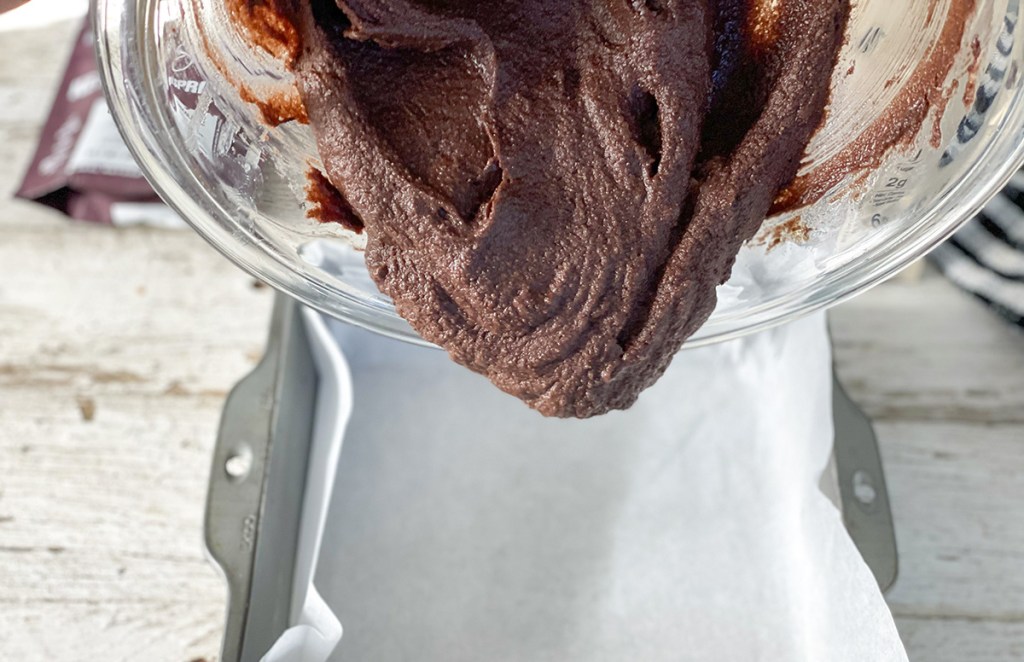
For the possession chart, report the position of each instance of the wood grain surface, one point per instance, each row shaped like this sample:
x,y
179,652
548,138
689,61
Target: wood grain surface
x,y
117,348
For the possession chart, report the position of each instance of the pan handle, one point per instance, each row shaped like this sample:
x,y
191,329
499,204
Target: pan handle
x,y
865,499
237,484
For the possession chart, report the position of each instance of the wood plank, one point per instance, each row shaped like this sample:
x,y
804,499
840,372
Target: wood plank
x,y
925,351
958,640
943,378
116,350
114,632
956,490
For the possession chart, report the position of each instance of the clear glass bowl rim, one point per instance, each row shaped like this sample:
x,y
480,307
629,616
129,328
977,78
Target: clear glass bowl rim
x,y
118,24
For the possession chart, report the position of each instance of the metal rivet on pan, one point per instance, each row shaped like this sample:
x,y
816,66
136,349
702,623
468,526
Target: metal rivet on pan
x,y
238,464
864,488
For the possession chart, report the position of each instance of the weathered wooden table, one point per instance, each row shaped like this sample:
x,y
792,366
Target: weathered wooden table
x,y
118,347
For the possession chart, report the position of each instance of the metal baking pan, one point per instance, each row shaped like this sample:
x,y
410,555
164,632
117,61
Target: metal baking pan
x,y
260,468
256,490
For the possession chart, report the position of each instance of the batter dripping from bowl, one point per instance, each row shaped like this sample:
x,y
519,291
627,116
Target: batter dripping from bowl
x,y
553,190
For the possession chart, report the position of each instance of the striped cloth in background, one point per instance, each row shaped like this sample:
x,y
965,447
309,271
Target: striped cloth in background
x,y
986,257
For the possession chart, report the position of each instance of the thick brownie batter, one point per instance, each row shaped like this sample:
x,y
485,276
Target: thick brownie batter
x,y
553,189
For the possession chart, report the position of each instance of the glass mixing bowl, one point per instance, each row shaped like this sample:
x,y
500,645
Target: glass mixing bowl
x,y
173,69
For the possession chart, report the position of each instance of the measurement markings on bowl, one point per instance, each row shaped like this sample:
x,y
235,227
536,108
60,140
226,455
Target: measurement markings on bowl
x,y
895,186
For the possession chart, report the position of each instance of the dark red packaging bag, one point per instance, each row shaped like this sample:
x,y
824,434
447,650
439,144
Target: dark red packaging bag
x,y
81,165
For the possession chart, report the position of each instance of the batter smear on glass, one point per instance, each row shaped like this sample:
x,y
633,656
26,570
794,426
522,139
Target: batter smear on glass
x,y
552,190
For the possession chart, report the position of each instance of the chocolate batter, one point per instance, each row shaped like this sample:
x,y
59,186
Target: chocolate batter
x,y
553,189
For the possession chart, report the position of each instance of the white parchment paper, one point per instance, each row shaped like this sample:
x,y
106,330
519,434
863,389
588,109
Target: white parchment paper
x,y
463,526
